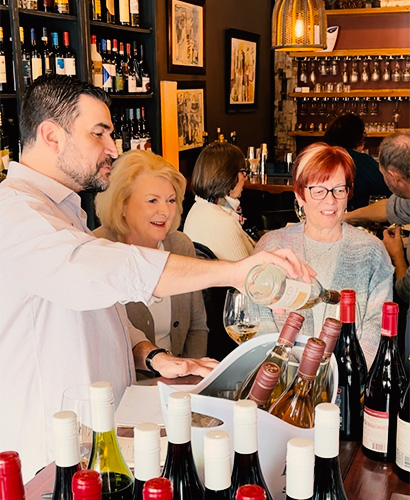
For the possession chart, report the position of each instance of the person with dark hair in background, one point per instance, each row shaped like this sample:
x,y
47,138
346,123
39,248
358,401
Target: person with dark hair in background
x,y
348,131
215,219
63,320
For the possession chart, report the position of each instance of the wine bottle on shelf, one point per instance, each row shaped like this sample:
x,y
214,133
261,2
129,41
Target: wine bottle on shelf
x,y
159,488
48,5
68,56
403,438
145,141
86,485
328,483
25,59
232,138
352,370
106,458
217,466
67,453
146,80
295,405
57,55
205,139
278,355
137,68
110,16
107,83
246,467
96,14
11,481
146,455
121,71
124,12
62,6
111,63
321,387
135,13
264,383
131,84
46,53
385,386
179,465
3,72
250,492
135,136
268,284
126,130
118,82
300,463
96,63
30,4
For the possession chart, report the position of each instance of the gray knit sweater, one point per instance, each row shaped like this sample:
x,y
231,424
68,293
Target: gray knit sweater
x,y
363,265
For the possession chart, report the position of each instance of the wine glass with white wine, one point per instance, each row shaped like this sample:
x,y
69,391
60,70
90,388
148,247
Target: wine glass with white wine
x,y
241,316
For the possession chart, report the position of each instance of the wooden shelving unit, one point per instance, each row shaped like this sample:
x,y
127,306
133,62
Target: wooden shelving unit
x,y
355,93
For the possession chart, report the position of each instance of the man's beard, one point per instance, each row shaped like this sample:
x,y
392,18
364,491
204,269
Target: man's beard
x,y
68,163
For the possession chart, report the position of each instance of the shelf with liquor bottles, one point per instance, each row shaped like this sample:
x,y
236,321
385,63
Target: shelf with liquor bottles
x,y
41,36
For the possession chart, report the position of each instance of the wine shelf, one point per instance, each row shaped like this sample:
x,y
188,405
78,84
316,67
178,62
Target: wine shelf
x,y
393,93
354,53
297,133
119,27
368,12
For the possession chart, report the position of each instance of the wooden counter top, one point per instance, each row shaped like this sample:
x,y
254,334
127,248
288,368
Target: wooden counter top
x,y
274,184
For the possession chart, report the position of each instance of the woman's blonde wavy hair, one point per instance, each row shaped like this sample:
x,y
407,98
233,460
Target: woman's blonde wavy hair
x,y
110,203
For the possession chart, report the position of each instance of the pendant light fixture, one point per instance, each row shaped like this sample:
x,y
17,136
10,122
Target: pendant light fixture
x,y
299,25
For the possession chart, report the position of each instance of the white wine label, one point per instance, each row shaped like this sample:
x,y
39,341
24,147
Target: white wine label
x,y
132,84
36,68
124,11
110,6
69,66
375,430
134,6
295,295
146,84
403,444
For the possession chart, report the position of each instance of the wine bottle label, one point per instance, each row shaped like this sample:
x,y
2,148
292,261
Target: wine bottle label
x,y
403,444
124,12
69,66
36,67
3,75
146,84
132,84
375,430
118,143
47,65
26,69
110,6
107,78
135,144
63,7
341,403
60,66
295,295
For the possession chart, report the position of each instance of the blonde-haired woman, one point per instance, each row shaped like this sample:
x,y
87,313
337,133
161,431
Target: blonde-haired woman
x,y
143,207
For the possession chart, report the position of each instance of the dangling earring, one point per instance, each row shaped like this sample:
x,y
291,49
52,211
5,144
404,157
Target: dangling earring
x,y
300,212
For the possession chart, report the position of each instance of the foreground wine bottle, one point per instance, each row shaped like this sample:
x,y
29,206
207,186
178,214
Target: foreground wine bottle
x,y
328,483
352,370
250,492
267,285
86,485
11,481
147,450
217,466
159,488
295,405
278,355
179,465
265,382
321,387
385,387
300,462
246,467
106,458
403,438
67,453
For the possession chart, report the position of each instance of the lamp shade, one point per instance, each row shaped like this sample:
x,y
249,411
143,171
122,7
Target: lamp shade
x,y
299,25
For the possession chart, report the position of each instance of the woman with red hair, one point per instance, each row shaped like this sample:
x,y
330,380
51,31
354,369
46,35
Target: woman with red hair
x,y
343,256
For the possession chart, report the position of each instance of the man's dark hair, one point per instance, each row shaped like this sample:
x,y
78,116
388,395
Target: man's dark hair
x,y
53,97
347,131
216,170
395,152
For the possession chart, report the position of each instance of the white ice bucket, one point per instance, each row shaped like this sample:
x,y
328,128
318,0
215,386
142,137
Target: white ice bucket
x,y
273,433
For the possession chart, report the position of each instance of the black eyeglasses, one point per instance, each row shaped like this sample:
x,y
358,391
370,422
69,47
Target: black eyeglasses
x,y
320,192
244,172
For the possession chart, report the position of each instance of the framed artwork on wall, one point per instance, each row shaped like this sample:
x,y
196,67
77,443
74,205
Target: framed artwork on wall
x,y
242,64
191,114
186,33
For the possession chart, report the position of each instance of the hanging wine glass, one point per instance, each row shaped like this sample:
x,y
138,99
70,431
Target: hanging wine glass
x,y
303,107
386,71
396,113
343,110
376,71
354,74
323,106
327,65
312,75
332,112
303,73
364,77
322,67
396,74
374,106
363,107
406,71
345,73
313,107
334,66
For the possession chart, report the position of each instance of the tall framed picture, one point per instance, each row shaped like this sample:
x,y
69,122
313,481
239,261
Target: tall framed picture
x,y
242,64
191,114
186,32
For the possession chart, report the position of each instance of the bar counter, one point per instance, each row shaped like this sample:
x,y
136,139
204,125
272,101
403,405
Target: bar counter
x,y
272,184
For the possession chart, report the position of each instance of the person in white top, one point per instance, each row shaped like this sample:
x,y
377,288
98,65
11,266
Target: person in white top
x,y
215,219
62,322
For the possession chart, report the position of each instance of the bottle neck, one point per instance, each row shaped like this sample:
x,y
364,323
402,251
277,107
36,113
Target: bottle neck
x,y
303,385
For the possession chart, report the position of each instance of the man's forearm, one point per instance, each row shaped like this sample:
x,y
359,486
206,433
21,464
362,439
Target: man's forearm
x,y
371,213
